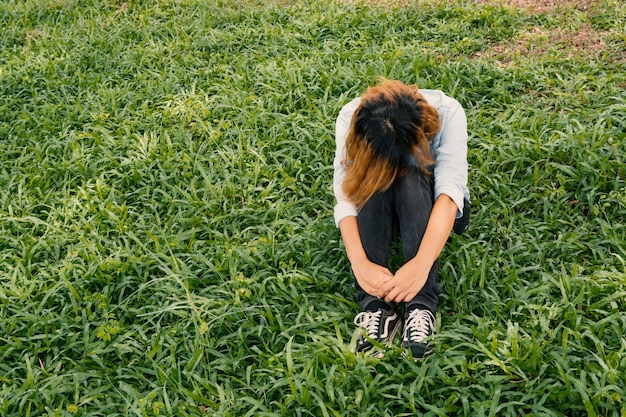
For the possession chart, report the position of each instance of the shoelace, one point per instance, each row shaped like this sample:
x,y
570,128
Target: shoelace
x,y
418,325
370,321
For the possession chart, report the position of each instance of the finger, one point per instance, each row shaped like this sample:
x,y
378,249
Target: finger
x,y
403,295
386,288
392,295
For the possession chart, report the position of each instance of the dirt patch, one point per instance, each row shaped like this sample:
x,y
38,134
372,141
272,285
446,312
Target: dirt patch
x,y
540,41
542,6
533,6
567,42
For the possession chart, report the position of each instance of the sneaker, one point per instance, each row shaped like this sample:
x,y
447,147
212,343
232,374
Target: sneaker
x,y
380,326
418,325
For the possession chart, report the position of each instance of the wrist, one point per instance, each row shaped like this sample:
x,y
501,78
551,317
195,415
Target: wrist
x,y
422,262
358,258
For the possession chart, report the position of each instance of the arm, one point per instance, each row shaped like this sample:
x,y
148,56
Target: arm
x,y
344,207
451,166
370,276
410,279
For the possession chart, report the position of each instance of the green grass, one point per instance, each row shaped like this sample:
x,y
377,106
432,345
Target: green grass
x,y
166,236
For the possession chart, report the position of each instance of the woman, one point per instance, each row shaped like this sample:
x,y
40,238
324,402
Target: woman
x,y
400,165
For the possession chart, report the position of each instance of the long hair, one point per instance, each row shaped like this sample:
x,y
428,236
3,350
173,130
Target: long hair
x,y
392,123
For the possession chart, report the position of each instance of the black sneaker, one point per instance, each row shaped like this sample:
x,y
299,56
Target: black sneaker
x,y
418,325
380,326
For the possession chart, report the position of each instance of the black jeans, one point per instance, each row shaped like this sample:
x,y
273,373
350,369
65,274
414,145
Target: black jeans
x,y
405,208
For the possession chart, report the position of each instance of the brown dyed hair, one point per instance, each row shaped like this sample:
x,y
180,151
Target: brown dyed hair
x,y
393,122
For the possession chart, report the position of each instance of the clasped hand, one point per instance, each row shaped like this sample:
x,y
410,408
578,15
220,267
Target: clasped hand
x,y
402,286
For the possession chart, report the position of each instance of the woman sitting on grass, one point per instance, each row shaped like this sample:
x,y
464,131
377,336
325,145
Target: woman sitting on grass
x,y
400,166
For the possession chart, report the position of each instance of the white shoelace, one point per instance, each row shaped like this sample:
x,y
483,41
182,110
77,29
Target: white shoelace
x,y
418,325
370,321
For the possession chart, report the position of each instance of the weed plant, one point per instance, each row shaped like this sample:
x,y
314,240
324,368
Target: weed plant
x,y
166,236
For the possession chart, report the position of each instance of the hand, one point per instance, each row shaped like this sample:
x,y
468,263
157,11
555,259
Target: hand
x,y
371,277
406,283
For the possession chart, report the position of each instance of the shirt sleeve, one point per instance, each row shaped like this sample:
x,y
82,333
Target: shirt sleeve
x,y
343,207
450,172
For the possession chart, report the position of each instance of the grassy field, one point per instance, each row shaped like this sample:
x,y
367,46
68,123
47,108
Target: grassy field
x,y
166,236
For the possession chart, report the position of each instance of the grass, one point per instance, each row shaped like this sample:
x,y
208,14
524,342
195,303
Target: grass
x,y
166,210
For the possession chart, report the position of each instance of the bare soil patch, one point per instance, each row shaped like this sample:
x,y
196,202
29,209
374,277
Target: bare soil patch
x,y
540,41
584,40
541,6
